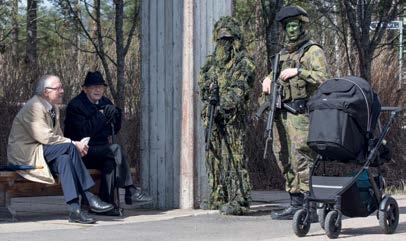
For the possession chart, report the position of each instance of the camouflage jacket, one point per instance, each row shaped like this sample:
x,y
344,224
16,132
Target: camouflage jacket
x,y
234,80
313,71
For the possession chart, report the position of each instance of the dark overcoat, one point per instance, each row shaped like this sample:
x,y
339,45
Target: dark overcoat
x,y
85,119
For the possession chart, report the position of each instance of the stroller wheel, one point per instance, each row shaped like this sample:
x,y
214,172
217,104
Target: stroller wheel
x,y
300,226
321,214
389,215
333,224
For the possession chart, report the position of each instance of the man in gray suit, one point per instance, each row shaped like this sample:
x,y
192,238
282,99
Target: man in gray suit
x,y
36,139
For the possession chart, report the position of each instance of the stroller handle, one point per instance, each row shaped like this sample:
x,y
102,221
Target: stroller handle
x,y
391,109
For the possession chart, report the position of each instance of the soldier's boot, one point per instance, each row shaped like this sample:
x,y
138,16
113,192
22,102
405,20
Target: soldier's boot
x,y
296,203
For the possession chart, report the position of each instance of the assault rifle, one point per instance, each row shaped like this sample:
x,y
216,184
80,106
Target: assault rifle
x,y
214,98
275,101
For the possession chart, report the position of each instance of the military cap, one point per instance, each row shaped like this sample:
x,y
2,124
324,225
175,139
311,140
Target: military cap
x,y
292,12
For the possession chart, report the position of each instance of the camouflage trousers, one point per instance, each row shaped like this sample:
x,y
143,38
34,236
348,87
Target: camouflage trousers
x,y
293,156
228,176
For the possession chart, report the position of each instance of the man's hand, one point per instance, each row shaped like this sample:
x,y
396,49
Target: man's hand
x,y
288,73
266,85
110,111
82,148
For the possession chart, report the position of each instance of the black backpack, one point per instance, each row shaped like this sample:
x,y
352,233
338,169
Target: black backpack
x,y
342,112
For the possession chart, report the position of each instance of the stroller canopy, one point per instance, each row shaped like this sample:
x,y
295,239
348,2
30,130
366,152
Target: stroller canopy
x,y
352,95
351,108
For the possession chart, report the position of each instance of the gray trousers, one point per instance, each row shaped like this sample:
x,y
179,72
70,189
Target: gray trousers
x,y
64,160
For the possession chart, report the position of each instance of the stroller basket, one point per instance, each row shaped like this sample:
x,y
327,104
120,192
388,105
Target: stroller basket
x,y
357,196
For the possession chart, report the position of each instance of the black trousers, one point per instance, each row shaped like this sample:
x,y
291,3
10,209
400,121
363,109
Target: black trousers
x,y
106,158
64,160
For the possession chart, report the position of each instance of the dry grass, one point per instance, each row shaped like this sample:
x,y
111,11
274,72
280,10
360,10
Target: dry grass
x,y
385,82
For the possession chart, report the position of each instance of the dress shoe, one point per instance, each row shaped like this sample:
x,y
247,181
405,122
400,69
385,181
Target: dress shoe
x,y
79,216
136,195
116,212
98,206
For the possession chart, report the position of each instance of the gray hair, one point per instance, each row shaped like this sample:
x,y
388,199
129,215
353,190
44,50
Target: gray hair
x,y
42,84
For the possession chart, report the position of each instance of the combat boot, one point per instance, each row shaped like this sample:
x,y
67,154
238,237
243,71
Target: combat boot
x,y
296,203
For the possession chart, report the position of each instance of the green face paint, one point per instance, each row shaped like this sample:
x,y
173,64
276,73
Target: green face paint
x,y
292,29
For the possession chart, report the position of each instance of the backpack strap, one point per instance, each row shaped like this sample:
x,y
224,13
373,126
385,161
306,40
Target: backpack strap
x,y
303,49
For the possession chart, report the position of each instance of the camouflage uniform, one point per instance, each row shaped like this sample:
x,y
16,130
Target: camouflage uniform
x,y
232,72
293,156
292,153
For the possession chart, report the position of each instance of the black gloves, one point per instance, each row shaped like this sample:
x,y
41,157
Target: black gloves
x,y
110,112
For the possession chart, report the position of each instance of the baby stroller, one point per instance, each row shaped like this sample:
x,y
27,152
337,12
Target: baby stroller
x,y
352,109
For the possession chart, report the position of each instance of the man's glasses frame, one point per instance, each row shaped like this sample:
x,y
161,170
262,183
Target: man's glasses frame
x,y
60,88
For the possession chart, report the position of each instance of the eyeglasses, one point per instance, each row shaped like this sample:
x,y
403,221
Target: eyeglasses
x,y
60,88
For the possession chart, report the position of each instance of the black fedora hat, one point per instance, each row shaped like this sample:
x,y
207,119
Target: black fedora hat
x,y
94,78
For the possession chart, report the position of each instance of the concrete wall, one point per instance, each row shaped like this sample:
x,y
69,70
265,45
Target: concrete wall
x,y
176,38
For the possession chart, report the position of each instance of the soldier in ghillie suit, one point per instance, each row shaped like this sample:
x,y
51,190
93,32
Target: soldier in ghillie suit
x,y
303,68
225,81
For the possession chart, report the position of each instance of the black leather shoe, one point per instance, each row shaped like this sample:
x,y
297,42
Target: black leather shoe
x,y
116,212
136,195
79,216
98,206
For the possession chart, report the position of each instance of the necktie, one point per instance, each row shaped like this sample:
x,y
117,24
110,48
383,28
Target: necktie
x,y
53,116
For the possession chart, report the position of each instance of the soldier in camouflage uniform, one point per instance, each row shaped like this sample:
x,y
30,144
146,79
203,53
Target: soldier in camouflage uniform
x,y
303,68
227,78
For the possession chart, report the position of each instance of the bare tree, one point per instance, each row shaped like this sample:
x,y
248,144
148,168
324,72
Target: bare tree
x,y
31,44
14,30
98,38
356,16
2,14
359,17
269,10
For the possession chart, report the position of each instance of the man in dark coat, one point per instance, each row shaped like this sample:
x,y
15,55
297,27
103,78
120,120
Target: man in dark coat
x,y
90,114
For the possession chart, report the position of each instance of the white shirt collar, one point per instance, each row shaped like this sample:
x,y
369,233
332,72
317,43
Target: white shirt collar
x,y
48,105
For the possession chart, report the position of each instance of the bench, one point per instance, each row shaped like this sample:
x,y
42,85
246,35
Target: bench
x,y
13,185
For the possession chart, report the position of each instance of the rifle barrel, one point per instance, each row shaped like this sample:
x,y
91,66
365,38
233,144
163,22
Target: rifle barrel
x,y
273,99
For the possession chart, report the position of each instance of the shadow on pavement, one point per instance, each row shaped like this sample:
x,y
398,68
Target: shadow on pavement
x,y
265,208
402,210
352,232
61,216
53,209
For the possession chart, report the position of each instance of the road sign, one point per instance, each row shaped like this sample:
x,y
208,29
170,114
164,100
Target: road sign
x,y
390,25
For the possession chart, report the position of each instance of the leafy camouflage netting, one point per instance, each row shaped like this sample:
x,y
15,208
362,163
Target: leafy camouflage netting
x,y
225,82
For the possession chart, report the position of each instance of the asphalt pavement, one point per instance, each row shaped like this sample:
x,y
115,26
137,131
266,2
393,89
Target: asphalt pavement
x,y
44,218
